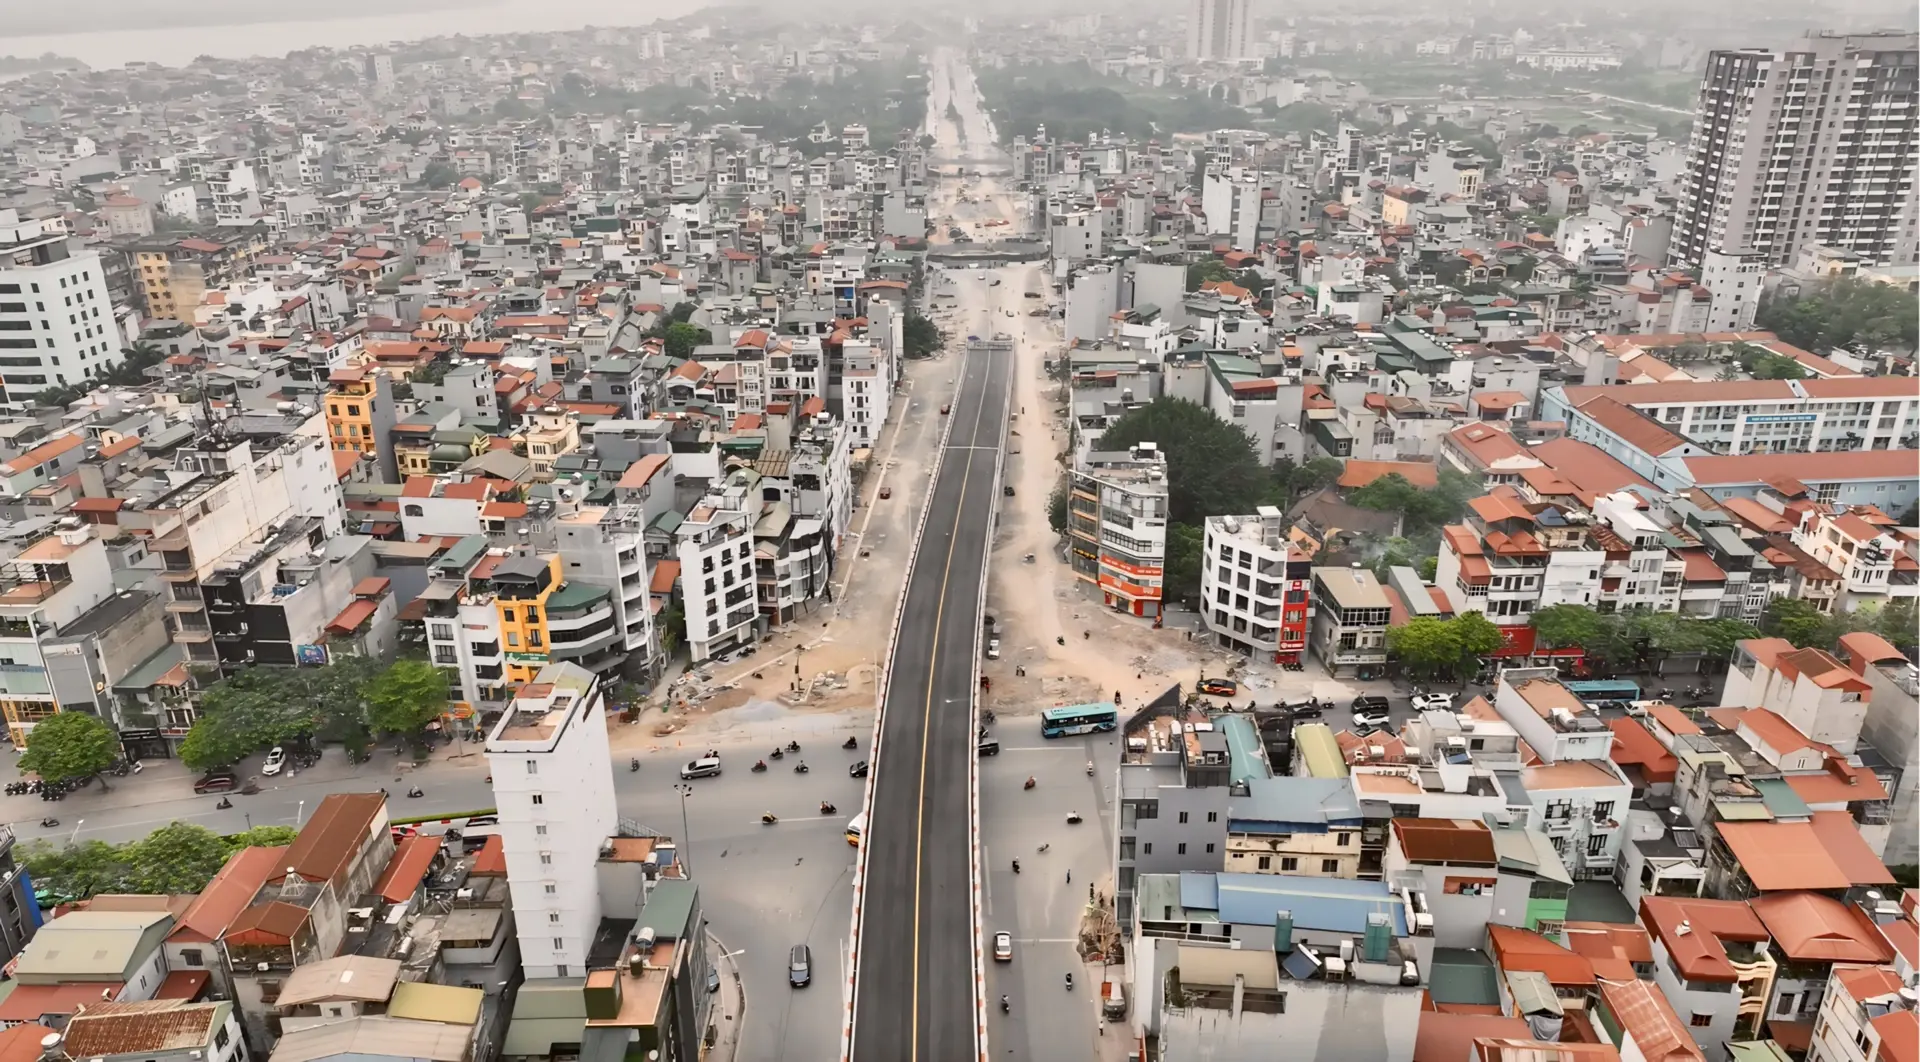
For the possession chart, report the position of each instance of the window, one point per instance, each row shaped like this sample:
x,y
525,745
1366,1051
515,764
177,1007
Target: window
x,y
1266,863
540,829
546,859
553,916
1209,848
1213,816
1329,866
1183,816
559,943
539,798
1147,848
533,767
1288,863
220,1037
1597,844
1182,849
1343,840
1603,809
1700,1021
552,888
560,969
192,957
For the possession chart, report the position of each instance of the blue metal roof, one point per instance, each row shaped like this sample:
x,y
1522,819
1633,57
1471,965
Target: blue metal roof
x,y
1199,891
1243,748
1332,905
1302,804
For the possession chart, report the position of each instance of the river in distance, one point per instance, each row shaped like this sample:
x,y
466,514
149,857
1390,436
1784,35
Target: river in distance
x,y
178,45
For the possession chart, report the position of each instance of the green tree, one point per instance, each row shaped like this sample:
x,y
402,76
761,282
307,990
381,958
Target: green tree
x,y
1211,466
1317,473
1477,636
406,697
921,336
1057,507
75,871
1425,645
438,174
682,338
1795,620
1847,312
1211,271
179,857
1559,626
70,746
1186,549
262,837
673,626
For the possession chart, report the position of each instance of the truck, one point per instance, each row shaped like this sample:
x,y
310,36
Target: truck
x,y
1113,1000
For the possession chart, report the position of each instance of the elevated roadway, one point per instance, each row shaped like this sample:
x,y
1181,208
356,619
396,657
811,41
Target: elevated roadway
x,y
916,994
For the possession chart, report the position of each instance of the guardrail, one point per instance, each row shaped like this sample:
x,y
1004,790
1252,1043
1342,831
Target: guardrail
x,y
973,761
880,686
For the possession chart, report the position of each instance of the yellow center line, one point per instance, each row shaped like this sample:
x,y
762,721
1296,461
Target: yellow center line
x,y
926,719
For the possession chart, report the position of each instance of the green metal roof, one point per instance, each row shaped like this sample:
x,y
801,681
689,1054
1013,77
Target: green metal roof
x,y
1464,977
1243,749
669,908
1781,799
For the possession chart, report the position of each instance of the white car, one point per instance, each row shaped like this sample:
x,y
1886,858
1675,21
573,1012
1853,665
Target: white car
x,y
1371,717
1442,702
276,759
1003,946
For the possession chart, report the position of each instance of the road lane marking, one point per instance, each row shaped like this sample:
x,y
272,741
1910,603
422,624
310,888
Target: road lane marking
x,y
926,716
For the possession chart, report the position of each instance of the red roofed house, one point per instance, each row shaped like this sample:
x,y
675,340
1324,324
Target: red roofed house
x,y
1643,1024
1710,959
1811,933
1823,698
1865,1018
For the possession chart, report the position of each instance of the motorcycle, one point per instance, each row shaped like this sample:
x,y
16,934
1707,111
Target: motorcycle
x,y
1030,783
1089,768
1069,980
800,768
1003,1005
827,808
1043,848
779,754
850,743
758,765
1016,866
633,764
223,804
769,818
793,746
1073,818
49,823
416,791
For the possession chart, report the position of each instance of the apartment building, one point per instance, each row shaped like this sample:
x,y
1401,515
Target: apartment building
x,y
361,414
1513,556
1230,196
605,548
1867,1015
1747,416
175,273
1171,799
715,548
1823,698
1577,794
1892,727
553,784
1350,617
1861,547
1255,586
1117,526
57,322
1811,144
1297,826
1217,30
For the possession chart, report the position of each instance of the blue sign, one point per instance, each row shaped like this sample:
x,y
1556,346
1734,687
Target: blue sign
x,y
1783,418
310,655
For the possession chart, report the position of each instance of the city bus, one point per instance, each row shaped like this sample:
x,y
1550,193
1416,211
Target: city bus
x,y
1078,719
855,826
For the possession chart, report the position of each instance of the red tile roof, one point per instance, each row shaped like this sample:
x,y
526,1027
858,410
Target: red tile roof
x,y
1521,949
1447,1037
335,834
1694,932
1423,474
32,1002
1826,853
407,868
1644,1014
1809,927
1633,745
491,860
227,895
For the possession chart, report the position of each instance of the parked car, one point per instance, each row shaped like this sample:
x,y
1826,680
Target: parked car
x,y
1369,703
1003,946
1304,710
857,770
218,780
988,747
800,966
1219,687
1033,294
1442,702
276,760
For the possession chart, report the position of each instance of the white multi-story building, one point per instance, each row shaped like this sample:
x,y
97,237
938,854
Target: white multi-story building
x,y
1512,557
1217,29
866,382
56,319
1579,796
1639,571
1117,526
1864,554
1255,586
1867,1015
1760,416
715,546
1734,280
1231,200
1814,144
606,548
236,193
553,785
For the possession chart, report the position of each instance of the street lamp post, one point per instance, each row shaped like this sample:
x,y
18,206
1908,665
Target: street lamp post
x,y
686,838
75,835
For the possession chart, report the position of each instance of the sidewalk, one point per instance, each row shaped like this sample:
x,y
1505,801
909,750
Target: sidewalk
x,y
729,1005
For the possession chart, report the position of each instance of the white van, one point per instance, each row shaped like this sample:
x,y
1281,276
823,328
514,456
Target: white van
x,y
704,767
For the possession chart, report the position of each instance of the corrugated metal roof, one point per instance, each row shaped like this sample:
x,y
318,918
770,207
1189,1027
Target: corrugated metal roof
x,y
448,1004
376,1036
1332,905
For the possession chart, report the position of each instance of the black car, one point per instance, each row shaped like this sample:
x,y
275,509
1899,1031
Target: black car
x,y
858,770
1305,710
1366,704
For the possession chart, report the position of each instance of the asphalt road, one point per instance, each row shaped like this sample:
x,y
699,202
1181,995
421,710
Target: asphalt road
x,y
914,990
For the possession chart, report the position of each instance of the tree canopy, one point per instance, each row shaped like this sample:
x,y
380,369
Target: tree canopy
x,y
921,336
1809,628
1432,647
70,746
406,697
177,858
1211,467
1637,637
1847,312
260,707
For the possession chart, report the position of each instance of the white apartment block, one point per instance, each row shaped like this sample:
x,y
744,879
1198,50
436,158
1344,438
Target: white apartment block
x,y
1823,698
715,547
1255,586
1217,29
1815,144
1639,572
553,785
605,547
1117,527
1578,796
1763,416
1867,1015
56,320
866,382
1512,557
1231,200
1864,554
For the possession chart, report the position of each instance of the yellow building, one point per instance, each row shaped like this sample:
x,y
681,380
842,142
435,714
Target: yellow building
x,y
360,415
522,584
550,433
175,274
